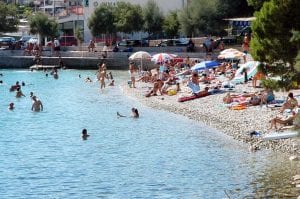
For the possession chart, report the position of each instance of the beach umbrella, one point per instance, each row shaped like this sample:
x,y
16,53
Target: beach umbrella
x,y
140,55
162,57
250,67
231,55
229,50
205,65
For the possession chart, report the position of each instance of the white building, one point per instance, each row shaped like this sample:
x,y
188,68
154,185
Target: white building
x,y
90,5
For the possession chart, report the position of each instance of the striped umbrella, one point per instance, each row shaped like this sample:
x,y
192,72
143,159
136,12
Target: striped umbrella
x,y
162,57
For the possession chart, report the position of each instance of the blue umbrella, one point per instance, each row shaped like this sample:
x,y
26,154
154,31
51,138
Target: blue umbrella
x,y
205,65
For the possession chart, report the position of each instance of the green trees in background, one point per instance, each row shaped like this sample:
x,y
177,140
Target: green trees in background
x,y
40,24
276,39
128,17
171,24
153,18
102,20
8,18
198,17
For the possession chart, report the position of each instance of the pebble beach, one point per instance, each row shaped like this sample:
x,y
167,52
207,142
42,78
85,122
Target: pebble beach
x,y
211,111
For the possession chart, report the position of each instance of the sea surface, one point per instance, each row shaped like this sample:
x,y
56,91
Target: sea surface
x,y
159,155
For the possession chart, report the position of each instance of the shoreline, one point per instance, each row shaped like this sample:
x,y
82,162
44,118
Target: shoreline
x,y
211,111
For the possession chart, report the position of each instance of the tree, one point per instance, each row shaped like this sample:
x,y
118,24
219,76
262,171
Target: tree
x,y
128,17
79,36
171,24
271,42
256,4
153,17
199,17
40,24
233,8
102,20
8,18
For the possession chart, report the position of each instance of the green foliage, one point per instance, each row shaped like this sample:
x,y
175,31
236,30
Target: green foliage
x,y
270,84
256,4
272,43
152,17
79,35
40,24
199,17
233,8
297,64
8,17
171,24
102,20
128,17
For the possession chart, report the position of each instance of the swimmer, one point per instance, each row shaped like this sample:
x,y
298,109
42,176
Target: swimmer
x,y
55,75
11,106
31,95
46,74
19,93
88,79
23,83
112,83
36,104
79,76
84,134
135,113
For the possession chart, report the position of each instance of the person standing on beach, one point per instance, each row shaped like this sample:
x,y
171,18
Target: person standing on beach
x,y
36,104
132,73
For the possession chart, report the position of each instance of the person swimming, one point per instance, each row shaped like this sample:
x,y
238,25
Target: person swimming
x,y
11,106
134,113
84,135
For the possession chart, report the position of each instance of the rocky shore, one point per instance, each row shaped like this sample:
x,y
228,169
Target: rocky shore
x,y
211,111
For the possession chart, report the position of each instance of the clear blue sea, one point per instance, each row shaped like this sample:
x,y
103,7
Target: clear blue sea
x,y
159,155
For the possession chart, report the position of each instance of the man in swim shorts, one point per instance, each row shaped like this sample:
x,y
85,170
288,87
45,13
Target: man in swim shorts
x,y
36,104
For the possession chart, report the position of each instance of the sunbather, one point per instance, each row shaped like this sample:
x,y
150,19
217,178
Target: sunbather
x,y
285,120
290,103
156,87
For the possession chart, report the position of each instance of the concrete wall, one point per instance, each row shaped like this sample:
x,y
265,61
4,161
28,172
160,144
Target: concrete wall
x,y
85,59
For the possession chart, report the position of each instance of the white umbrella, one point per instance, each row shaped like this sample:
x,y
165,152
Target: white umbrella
x,y
229,50
140,55
231,55
162,57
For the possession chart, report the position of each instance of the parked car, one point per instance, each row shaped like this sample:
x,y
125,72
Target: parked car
x,y
173,42
33,40
8,42
133,43
68,41
23,40
229,40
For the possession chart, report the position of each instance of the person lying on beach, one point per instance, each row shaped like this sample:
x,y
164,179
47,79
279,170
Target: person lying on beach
x,y
290,103
156,87
84,135
267,96
284,120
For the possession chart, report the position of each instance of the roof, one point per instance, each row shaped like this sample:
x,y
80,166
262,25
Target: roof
x,y
241,19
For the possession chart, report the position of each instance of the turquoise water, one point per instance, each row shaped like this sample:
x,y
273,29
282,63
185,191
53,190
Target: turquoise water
x,y
159,155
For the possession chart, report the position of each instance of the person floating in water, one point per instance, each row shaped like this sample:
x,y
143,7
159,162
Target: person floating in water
x,y
84,135
134,113
36,104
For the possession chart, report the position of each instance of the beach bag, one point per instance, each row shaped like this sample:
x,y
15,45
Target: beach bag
x,y
172,92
